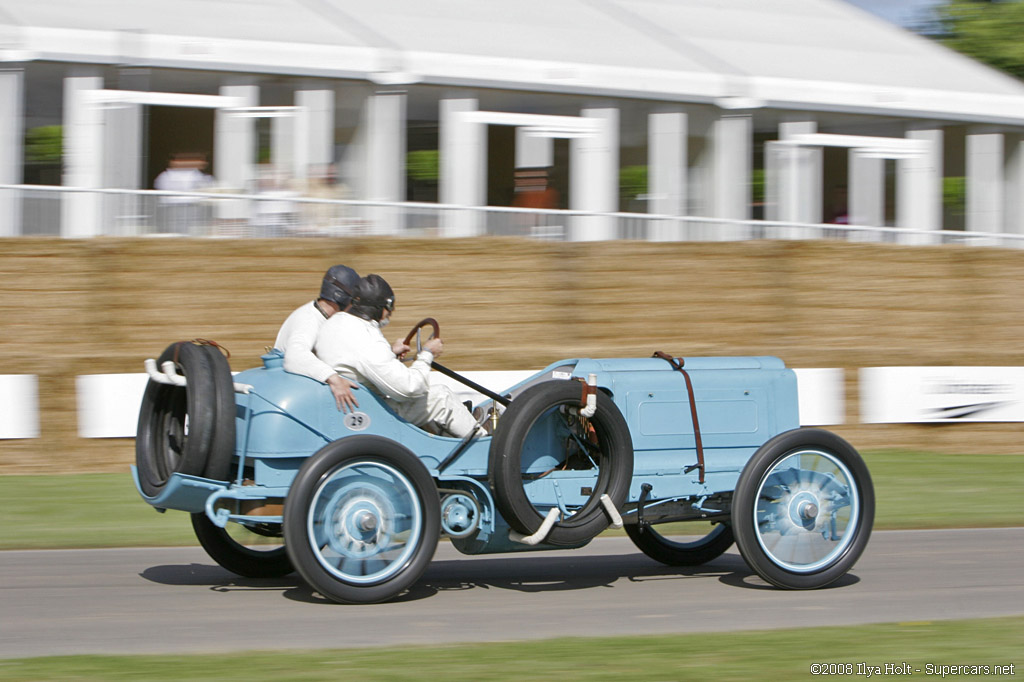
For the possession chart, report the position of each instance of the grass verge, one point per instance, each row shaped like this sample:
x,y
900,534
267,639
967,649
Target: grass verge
x,y
758,655
913,490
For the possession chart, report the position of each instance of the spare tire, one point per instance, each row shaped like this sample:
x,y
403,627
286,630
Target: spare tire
x,y
177,423
546,416
222,446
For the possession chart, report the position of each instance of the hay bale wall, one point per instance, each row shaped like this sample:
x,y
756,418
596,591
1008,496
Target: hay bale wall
x,y
103,305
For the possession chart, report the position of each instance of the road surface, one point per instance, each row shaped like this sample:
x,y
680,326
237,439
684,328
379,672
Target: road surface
x,y
164,600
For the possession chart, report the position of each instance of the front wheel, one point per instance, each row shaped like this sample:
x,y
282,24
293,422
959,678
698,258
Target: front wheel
x,y
803,509
362,520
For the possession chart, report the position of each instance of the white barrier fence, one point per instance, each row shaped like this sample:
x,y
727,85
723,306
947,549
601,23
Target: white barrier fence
x,y
38,210
108,404
19,406
897,395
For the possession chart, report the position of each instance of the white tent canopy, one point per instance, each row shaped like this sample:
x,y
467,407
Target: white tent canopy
x,y
821,55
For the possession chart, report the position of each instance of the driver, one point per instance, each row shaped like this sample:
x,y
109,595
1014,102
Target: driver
x,y
353,344
298,334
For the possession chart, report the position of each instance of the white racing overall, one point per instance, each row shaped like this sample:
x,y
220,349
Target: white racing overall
x,y
356,349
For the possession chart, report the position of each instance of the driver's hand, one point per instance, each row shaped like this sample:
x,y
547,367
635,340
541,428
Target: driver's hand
x,y
435,346
342,390
400,348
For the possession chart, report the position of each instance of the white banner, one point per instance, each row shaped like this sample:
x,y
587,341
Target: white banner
x,y
821,396
900,395
19,406
108,404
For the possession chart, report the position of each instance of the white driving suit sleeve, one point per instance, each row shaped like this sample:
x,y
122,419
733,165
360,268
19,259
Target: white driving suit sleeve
x,y
391,377
297,339
358,350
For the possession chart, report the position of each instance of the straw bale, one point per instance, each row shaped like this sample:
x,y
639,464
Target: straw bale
x,y
103,305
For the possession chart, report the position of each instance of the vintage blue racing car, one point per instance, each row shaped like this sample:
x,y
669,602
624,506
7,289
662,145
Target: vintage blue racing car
x,y
277,479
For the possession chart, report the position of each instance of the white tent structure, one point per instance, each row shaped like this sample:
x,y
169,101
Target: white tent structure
x,y
816,93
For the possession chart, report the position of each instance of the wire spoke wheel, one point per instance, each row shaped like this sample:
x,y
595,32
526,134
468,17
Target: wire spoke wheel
x,y
803,509
364,522
362,519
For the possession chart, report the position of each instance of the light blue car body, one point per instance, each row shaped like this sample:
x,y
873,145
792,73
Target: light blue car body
x,y
282,419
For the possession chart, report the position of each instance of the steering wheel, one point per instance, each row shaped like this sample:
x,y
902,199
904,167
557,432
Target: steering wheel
x,y
426,322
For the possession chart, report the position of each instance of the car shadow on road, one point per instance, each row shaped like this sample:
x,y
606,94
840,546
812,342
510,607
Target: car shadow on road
x,y
219,579
521,573
566,572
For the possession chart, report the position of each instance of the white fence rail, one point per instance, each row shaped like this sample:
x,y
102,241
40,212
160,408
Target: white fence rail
x,y
39,210
108,404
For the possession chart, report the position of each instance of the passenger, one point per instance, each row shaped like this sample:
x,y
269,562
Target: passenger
x,y
298,334
353,344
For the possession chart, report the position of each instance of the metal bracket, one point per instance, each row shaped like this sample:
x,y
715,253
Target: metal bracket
x,y
645,490
542,532
168,375
613,513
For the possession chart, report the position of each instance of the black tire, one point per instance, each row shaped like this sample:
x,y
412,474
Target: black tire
x,y
176,423
803,509
362,520
675,553
613,457
243,559
222,446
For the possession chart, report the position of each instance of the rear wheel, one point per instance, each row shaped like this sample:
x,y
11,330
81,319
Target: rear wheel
x,y
253,553
676,544
803,509
362,520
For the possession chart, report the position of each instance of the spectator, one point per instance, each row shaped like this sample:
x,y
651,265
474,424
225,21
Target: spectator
x,y
184,173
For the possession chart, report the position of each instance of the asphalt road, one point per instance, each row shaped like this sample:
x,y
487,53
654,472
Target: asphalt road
x,y
167,600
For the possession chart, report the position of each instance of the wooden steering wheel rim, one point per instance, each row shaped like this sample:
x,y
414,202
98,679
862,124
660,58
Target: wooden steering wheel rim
x,y
425,322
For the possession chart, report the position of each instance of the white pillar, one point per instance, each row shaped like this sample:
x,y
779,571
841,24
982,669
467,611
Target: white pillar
x,y
984,182
732,151
83,155
235,140
800,176
385,147
463,171
667,172
11,134
319,107
867,190
594,177
122,168
284,147
122,146
307,137
919,187
1014,191
385,159
234,150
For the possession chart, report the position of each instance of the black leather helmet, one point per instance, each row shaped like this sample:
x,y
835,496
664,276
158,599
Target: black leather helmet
x,y
339,283
372,296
